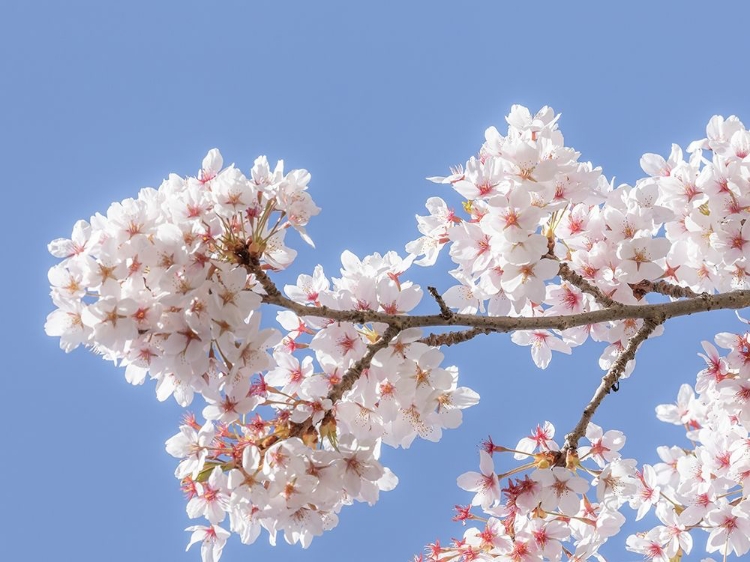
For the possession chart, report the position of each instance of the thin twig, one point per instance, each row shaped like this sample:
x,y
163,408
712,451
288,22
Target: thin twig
x,y
445,312
609,380
355,371
567,274
346,382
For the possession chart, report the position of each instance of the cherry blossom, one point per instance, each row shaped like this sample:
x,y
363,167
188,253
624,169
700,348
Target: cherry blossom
x,y
212,539
173,284
484,483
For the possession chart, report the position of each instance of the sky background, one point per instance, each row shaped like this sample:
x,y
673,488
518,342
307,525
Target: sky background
x,y
99,99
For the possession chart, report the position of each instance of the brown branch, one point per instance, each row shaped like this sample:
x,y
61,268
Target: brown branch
x,y
452,338
608,382
445,312
674,291
355,371
703,303
652,314
268,286
566,273
346,383
640,289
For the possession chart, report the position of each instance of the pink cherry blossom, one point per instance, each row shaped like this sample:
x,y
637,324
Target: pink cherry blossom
x,y
484,483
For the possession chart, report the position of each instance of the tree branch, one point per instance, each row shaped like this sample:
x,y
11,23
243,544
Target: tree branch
x,y
452,338
674,291
567,274
702,303
608,381
652,314
272,292
445,312
346,383
355,371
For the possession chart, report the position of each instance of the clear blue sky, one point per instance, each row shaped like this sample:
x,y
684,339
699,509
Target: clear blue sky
x,y
99,99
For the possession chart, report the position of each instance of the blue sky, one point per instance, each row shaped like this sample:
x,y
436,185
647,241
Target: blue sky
x,y
100,99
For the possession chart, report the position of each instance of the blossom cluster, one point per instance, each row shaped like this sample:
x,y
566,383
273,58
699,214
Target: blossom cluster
x,y
569,504
159,285
170,285
530,204
293,471
541,509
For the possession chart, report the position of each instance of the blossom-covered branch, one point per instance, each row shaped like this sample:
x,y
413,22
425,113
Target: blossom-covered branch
x,y
733,300
173,284
567,274
355,371
609,381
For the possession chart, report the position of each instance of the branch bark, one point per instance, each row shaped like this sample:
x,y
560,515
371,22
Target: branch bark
x,y
674,291
355,371
608,381
652,314
452,338
732,300
567,274
445,312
